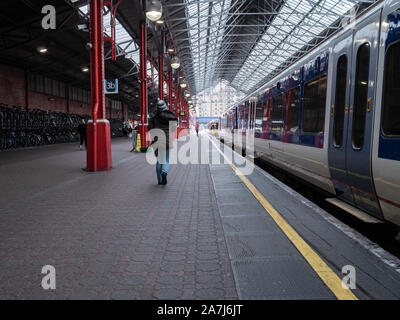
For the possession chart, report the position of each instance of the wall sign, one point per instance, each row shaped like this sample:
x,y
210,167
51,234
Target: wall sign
x,y
111,86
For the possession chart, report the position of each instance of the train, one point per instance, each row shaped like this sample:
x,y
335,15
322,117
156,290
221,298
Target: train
x,y
332,118
212,127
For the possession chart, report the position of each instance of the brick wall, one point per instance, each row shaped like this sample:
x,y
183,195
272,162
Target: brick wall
x,y
12,92
12,86
45,102
81,108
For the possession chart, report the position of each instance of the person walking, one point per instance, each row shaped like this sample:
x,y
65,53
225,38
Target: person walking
x,y
164,120
197,128
82,133
134,138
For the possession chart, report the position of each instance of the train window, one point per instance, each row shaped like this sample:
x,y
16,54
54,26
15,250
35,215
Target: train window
x,y
277,113
252,113
340,101
314,105
391,92
294,109
267,111
360,96
259,113
260,109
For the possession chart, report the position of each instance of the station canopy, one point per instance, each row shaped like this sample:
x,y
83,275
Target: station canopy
x,y
247,42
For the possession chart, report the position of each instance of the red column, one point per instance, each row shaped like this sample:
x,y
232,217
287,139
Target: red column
x,y
161,68
98,155
179,111
143,84
161,77
170,91
100,83
186,115
176,97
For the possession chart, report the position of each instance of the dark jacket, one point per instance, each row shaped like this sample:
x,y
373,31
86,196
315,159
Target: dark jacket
x,y
162,120
82,129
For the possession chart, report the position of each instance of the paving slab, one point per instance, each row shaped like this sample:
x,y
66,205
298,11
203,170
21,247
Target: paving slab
x,y
110,235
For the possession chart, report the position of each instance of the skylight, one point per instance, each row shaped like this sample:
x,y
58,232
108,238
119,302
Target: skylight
x,y
124,41
298,23
206,21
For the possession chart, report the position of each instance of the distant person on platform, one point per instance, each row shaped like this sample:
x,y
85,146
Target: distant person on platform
x,y
165,120
197,128
82,133
134,138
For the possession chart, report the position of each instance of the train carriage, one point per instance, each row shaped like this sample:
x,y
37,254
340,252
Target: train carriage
x,y
333,118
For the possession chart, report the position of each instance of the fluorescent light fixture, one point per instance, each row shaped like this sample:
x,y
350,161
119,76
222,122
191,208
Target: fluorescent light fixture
x,y
175,63
183,85
42,49
85,69
153,10
82,27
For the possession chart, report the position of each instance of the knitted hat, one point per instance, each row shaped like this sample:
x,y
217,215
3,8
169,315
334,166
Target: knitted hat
x,y
161,105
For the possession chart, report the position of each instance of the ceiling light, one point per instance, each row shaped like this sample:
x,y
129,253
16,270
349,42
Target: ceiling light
x,y
153,10
160,21
183,85
175,63
171,50
85,69
42,49
82,27
187,95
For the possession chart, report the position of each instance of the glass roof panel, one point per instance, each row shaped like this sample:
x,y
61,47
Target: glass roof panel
x,y
299,22
126,43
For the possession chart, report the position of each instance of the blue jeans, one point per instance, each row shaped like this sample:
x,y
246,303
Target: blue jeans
x,y
134,138
162,162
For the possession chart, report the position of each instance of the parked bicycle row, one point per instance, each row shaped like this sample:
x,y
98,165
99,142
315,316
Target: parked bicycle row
x,y
20,128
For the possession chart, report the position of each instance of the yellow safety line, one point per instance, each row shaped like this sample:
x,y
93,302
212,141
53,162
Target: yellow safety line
x,y
326,274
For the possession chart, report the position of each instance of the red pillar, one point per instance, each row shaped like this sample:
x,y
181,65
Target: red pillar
x,y
161,77
170,91
186,115
179,111
161,68
143,129
176,98
98,155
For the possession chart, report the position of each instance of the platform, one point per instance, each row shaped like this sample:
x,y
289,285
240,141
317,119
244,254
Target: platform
x,y
118,235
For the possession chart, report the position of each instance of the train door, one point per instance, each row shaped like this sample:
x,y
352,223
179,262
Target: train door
x,y
361,114
339,117
252,113
235,125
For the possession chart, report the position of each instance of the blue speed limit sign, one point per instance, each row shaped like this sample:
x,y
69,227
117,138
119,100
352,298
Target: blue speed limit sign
x,y
111,86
